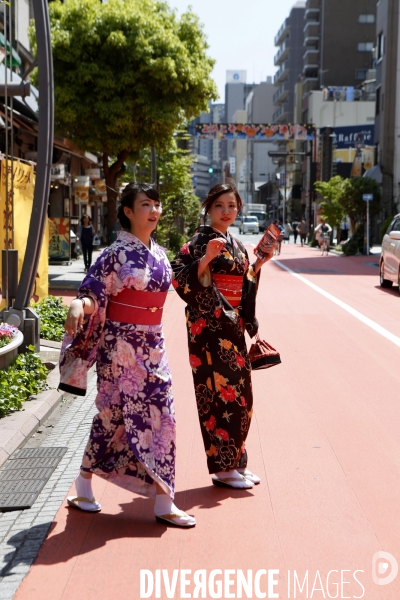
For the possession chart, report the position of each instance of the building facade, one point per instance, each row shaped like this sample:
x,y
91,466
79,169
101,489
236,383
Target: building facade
x,y
339,38
289,60
387,119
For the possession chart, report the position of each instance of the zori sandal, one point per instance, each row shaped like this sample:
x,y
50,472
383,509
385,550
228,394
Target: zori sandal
x,y
177,519
84,504
250,476
232,482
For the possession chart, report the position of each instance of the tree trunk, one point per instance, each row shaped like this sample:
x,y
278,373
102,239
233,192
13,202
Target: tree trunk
x,y
112,173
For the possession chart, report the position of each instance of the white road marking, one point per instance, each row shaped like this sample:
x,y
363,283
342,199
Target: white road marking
x,y
352,311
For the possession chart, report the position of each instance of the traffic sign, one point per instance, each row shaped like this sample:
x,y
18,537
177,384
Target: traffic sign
x,y
368,197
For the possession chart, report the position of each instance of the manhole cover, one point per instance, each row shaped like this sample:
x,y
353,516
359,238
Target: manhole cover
x,y
25,474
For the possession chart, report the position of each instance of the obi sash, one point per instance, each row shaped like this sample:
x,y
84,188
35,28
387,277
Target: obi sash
x,y
136,307
230,287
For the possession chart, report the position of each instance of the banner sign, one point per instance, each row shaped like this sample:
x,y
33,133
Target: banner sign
x,y
93,173
59,242
100,187
354,136
248,131
81,188
19,212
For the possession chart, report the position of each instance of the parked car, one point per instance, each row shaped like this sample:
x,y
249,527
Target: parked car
x,y
249,225
389,264
238,221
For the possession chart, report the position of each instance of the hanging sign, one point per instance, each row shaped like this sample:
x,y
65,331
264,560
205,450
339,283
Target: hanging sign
x,y
263,133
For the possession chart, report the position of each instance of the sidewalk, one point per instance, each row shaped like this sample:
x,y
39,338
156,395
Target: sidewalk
x,y
68,277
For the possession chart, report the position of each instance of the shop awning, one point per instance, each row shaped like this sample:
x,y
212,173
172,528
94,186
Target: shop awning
x,y
16,59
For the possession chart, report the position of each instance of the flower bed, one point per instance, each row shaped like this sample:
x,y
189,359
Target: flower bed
x,y
25,377
52,313
7,334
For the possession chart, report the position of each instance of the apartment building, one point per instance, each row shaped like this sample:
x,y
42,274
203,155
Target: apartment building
x,y
387,118
339,38
289,60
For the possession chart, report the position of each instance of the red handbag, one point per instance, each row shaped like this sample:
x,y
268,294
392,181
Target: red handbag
x,y
262,355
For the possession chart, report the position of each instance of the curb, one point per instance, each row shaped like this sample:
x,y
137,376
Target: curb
x,y
16,428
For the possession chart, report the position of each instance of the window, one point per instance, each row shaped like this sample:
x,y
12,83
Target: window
x,y
361,74
366,18
380,46
365,46
396,225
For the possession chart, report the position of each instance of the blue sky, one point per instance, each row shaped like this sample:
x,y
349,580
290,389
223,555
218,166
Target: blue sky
x,y
240,34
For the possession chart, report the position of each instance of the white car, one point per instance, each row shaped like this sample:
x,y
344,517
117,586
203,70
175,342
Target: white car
x,y
249,225
389,264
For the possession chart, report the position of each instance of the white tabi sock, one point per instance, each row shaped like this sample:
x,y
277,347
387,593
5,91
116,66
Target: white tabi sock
x,y
84,489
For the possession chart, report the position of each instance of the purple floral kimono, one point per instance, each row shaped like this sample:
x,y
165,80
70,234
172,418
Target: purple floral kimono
x,y
132,439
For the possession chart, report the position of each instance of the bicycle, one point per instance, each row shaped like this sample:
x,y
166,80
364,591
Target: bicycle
x,y
325,243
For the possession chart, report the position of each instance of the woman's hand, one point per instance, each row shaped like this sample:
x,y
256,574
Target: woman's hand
x,y
214,247
74,318
259,263
76,315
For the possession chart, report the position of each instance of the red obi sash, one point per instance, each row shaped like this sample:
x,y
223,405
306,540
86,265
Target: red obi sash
x,y
136,308
230,286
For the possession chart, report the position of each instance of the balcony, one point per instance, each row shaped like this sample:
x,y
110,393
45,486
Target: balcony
x,y
310,83
281,94
313,5
281,54
282,33
281,115
281,74
311,29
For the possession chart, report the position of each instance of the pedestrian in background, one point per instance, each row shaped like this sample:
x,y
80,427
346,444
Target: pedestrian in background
x,y
344,230
85,237
287,230
295,232
132,438
213,275
302,230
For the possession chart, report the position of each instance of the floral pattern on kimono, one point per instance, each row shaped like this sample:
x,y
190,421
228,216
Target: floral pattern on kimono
x,y
132,438
217,348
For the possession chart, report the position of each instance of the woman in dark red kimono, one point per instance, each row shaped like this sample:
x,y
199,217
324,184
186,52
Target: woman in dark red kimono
x,y
212,274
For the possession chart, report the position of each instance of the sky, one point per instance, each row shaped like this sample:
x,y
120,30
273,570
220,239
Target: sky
x,y
240,34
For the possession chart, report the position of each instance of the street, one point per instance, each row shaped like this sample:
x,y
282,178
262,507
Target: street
x,y
324,440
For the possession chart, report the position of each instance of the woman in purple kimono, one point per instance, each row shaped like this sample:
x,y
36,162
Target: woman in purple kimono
x,y
132,439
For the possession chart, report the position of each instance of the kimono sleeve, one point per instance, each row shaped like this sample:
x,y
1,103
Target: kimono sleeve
x,y
186,280
96,285
249,293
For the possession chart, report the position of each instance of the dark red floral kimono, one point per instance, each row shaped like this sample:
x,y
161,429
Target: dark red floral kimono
x,y
217,348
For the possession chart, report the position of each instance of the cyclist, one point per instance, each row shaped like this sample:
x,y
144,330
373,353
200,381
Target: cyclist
x,y
323,231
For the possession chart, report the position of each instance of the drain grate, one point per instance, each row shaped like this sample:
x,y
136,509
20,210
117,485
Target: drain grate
x,y
25,474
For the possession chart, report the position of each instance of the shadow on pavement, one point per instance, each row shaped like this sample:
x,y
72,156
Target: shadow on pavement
x,y
331,265
84,532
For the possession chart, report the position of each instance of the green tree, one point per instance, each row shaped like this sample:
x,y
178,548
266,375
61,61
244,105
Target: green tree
x,y
351,198
181,207
127,74
331,208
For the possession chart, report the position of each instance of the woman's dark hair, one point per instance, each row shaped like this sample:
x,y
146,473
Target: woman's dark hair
x,y
83,219
217,191
128,197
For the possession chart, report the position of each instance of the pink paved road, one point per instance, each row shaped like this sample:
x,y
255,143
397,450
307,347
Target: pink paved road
x,y
325,439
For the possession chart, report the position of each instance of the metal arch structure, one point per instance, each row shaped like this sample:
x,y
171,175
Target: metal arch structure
x,y
44,156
